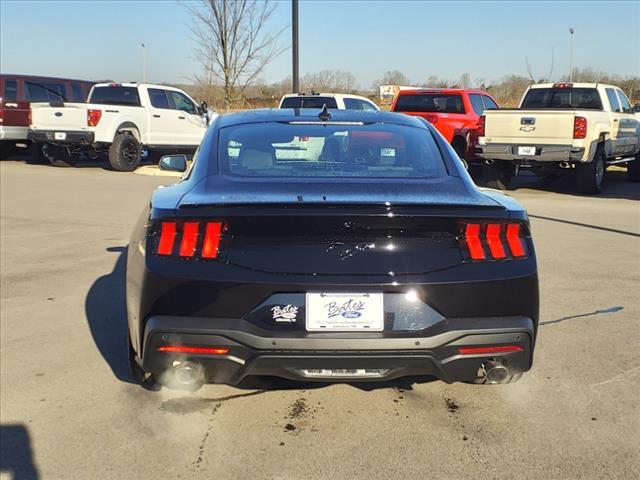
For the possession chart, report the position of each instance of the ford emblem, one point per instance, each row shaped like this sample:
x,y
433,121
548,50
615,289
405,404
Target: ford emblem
x,y
351,314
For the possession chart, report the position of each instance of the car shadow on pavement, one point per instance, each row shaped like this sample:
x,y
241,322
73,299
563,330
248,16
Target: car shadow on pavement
x,y
105,308
16,453
616,186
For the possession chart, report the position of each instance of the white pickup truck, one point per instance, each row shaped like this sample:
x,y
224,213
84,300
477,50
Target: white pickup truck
x,y
121,119
581,127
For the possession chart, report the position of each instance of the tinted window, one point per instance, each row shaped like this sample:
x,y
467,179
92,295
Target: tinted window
x,y
182,102
476,103
362,151
582,98
430,102
309,102
626,106
489,103
357,104
44,92
10,90
76,91
158,98
115,95
613,100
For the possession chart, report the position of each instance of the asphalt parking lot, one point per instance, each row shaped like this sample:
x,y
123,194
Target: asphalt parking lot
x,y
69,409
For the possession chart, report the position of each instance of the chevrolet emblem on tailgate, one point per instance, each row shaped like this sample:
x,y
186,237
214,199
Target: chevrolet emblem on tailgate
x,y
527,128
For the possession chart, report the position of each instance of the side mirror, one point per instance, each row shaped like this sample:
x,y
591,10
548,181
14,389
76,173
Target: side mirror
x,y
203,108
636,108
173,163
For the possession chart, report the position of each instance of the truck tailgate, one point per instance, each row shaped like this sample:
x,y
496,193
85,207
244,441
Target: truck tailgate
x,y
67,117
549,127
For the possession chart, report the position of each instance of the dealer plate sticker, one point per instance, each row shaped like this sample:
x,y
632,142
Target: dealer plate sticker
x,y
60,135
344,312
526,150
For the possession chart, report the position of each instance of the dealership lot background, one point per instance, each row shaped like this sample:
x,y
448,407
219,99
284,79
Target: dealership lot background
x,y
70,411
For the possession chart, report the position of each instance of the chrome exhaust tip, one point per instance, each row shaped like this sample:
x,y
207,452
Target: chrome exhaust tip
x,y
185,375
494,372
564,165
489,161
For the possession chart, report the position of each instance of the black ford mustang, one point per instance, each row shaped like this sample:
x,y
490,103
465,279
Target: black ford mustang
x,y
334,246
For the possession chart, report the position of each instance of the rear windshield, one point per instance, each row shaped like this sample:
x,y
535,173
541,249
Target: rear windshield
x,y
37,91
115,96
430,102
580,98
329,150
309,102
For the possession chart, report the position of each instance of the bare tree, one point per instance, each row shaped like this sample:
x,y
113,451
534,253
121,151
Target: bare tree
x,y
390,77
233,44
329,81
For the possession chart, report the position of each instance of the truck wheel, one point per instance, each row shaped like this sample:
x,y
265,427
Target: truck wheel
x,y
38,154
498,176
43,153
633,170
124,153
590,176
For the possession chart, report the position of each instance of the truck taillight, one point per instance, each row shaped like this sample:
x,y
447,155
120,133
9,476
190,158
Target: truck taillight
x,y
579,127
189,239
93,117
30,116
481,123
494,241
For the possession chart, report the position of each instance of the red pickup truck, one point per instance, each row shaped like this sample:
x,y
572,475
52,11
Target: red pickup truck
x,y
454,112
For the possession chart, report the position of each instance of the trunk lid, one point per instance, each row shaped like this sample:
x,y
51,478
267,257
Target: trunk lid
x,y
553,127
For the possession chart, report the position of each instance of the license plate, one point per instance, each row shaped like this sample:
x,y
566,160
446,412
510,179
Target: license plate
x,y
526,150
60,135
344,312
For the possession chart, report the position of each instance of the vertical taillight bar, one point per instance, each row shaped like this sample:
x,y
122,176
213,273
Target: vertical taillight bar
x,y
514,240
495,241
473,241
189,239
167,238
211,242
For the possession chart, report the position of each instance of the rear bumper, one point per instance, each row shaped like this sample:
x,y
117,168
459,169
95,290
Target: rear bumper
x,y
544,153
254,351
71,137
9,133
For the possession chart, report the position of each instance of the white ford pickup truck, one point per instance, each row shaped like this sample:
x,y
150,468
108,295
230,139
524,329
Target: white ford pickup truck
x,y
121,119
581,127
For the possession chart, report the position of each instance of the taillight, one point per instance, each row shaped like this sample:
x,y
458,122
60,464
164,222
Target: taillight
x,y
433,119
494,241
30,116
93,117
189,239
193,350
579,127
481,123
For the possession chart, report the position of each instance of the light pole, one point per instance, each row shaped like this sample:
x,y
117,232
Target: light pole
x,y
295,74
571,30
144,62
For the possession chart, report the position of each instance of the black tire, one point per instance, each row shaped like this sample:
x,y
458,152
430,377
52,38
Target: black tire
x,y
633,170
498,176
38,154
460,148
590,176
124,153
6,148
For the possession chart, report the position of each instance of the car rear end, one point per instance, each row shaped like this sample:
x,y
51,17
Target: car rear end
x,y
552,125
395,271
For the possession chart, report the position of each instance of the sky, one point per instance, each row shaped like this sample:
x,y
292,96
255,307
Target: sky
x,y
99,40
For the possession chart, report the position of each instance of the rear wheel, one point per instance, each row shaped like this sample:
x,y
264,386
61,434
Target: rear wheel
x,y
144,379
633,170
43,153
590,176
124,153
498,176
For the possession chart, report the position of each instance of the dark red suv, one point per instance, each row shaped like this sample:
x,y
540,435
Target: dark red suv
x,y
454,112
16,94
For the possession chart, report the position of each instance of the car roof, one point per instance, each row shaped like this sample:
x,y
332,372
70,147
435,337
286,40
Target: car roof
x,y
425,91
311,115
573,85
326,94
